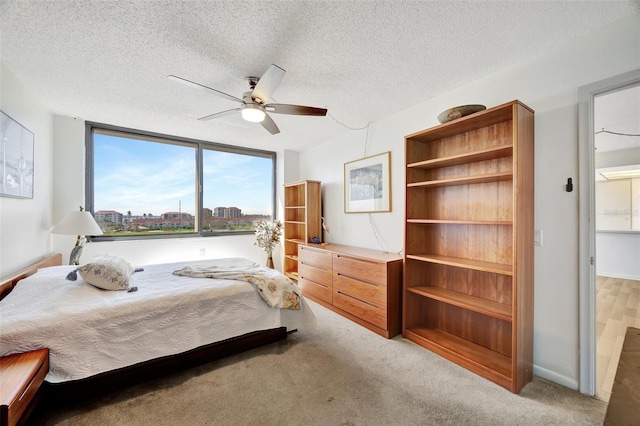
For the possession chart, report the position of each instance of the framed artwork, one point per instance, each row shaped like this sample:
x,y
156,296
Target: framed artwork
x,y
367,184
16,159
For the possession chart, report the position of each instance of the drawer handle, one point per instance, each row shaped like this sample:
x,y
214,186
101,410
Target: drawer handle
x,y
358,259
30,382
357,279
359,300
312,266
313,282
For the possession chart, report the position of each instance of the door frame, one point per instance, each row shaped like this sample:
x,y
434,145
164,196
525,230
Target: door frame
x,y
587,231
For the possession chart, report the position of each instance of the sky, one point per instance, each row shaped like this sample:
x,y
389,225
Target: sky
x,y
128,176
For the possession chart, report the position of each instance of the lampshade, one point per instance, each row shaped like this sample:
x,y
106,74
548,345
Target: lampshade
x,y
253,113
78,223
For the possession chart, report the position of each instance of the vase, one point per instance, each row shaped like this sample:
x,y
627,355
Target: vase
x,y
270,262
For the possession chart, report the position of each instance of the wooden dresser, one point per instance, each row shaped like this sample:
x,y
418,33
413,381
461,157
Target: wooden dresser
x,y
360,284
21,376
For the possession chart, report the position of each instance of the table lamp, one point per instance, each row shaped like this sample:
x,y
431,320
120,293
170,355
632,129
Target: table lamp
x,y
78,223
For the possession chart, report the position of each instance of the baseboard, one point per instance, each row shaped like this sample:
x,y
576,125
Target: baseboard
x,y
554,377
621,276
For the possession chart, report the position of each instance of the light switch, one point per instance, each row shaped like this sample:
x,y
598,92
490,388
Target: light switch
x,y
537,237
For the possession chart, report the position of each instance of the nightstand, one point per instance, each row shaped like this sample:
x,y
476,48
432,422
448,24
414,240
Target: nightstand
x,y
21,376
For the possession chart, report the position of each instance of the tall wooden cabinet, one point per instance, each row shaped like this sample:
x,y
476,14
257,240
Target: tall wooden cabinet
x,y
302,210
468,272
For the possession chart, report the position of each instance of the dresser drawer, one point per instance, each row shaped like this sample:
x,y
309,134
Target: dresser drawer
x,y
315,282
309,256
366,270
315,290
312,273
361,309
375,294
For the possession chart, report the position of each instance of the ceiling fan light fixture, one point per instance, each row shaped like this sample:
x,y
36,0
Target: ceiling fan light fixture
x,y
252,112
252,105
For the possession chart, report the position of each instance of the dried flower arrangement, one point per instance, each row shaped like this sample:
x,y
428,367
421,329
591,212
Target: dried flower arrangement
x,y
268,235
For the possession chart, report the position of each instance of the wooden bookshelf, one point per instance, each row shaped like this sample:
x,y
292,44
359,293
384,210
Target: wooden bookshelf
x,y
465,158
302,210
478,304
468,270
475,357
459,262
493,177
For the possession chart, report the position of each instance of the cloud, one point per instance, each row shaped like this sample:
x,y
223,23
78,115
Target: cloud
x,y
131,177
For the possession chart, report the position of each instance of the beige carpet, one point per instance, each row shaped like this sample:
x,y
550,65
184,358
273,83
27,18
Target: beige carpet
x,y
337,374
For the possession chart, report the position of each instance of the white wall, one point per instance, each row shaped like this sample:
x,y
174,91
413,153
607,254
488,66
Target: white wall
x,y
25,223
380,231
617,254
618,228
623,157
548,83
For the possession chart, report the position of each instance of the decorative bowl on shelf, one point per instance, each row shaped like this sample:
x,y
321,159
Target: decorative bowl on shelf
x,y
458,112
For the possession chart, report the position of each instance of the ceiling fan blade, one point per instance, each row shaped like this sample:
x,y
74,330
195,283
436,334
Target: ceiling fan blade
x,y
201,87
219,114
270,125
295,109
268,83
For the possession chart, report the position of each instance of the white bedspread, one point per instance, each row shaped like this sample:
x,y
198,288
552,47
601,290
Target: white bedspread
x,y
90,331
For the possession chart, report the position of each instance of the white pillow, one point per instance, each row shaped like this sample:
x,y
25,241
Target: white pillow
x,y
107,272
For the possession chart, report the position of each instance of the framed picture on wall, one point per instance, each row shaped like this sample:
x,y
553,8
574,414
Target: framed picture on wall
x,y
16,159
367,184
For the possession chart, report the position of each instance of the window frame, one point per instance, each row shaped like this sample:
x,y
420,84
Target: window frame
x,y
199,146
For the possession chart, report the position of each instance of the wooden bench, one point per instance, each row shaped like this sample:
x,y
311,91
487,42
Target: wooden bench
x,y
624,404
20,378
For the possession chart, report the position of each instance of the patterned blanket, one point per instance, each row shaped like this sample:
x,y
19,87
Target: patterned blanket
x,y
275,289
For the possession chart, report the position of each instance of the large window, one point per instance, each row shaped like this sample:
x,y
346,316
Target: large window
x,y
142,185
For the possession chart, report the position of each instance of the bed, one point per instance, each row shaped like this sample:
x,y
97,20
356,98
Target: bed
x,y
96,334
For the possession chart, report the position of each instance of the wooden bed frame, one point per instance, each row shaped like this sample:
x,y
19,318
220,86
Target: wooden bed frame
x,y
7,284
127,376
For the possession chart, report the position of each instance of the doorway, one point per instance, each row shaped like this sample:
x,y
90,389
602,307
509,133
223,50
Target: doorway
x,y
609,153
617,223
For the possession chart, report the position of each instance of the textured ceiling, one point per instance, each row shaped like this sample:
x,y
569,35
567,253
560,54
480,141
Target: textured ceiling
x,y
107,61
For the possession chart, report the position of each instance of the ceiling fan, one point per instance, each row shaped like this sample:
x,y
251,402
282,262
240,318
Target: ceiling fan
x,y
254,106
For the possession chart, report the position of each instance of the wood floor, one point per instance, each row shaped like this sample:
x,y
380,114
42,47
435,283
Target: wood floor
x,y
617,307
